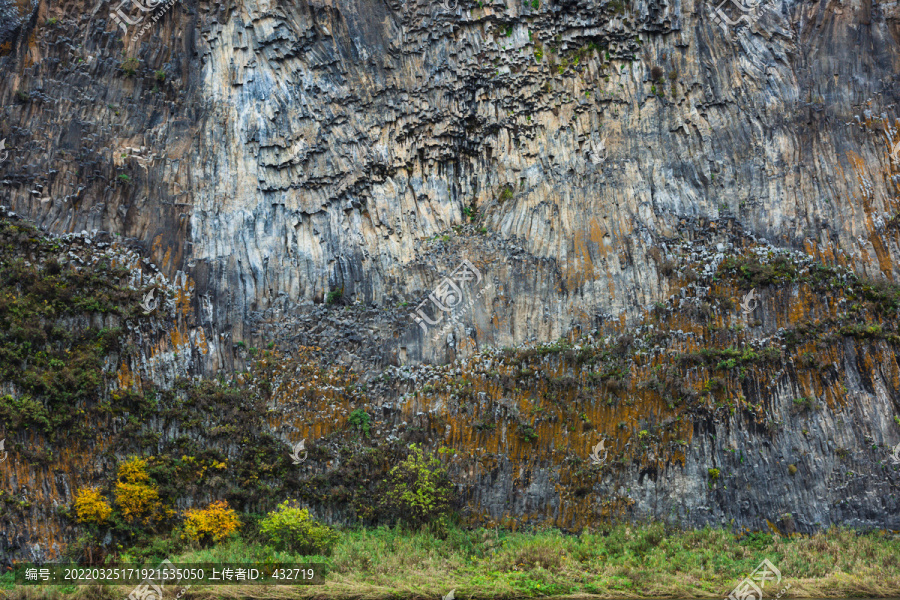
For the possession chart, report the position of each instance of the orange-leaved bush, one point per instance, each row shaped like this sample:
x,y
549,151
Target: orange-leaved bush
x,y
215,522
136,495
91,506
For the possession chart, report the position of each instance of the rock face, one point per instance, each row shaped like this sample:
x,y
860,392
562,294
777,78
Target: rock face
x,y
285,151
312,171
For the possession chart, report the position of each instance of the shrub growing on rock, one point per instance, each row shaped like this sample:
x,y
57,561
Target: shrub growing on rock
x,y
136,494
419,491
91,507
213,523
291,528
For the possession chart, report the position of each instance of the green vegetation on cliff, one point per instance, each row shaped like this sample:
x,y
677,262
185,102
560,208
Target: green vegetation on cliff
x,y
52,365
73,355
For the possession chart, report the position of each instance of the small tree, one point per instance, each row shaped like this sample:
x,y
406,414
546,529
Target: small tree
x,y
136,495
419,491
91,506
213,523
291,528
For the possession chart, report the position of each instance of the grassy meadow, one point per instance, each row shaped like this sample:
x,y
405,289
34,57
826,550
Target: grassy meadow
x,y
620,561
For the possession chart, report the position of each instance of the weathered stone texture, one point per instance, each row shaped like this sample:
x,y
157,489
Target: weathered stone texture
x,y
277,151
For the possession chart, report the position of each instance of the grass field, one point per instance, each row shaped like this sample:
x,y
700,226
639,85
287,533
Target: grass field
x,y
621,561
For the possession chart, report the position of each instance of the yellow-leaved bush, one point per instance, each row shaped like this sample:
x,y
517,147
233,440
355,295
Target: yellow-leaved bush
x,y
136,495
215,522
291,528
91,506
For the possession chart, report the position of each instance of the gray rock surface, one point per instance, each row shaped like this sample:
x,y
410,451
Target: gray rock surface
x,y
272,155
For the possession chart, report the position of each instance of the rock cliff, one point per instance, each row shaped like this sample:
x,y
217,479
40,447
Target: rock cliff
x,y
590,188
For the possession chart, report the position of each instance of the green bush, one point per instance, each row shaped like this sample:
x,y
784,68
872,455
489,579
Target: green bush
x,y
290,528
360,419
758,274
16,413
803,404
419,491
527,433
